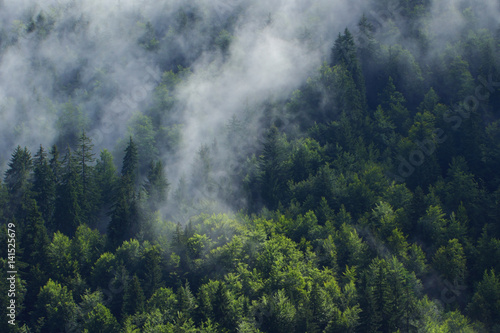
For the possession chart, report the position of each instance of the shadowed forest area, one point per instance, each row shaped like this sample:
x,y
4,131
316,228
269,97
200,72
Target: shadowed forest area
x,y
250,167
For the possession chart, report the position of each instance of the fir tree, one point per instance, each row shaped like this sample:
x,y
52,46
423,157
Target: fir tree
x,y
55,164
17,178
131,162
124,217
344,53
68,215
133,299
273,169
106,178
85,159
44,186
156,185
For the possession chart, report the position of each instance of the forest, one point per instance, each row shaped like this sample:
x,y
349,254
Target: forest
x,y
250,166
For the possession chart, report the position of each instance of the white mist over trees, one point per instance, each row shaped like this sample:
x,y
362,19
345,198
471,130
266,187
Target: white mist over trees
x,y
251,166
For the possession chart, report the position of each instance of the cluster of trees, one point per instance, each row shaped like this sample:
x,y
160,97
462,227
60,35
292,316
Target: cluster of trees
x,y
370,204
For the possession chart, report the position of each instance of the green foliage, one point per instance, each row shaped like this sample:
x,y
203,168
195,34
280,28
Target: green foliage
x,y
133,299
44,185
273,169
450,261
17,176
378,171
130,162
106,177
156,185
55,307
68,214
485,304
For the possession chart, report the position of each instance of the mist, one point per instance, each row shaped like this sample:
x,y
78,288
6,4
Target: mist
x,y
83,63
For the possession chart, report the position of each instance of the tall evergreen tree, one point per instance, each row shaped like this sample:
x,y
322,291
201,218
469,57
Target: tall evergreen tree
x,y
35,242
17,177
152,270
55,164
273,169
131,162
85,159
133,299
124,218
106,178
393,104
68,215
344,53
44,186
156,185
125,215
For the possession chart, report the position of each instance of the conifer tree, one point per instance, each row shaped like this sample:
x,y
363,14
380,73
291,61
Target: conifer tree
x,y
344,53
106,178
68,215
35,242
152,270
85,159
17,178
125,215
156,185
273,169
55,164
44,186
133,299
131,162
393,104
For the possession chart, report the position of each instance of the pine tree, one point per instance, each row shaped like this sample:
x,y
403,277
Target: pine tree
x,y
124,217
34,238
152,260
106,178
273,169
55,164
133,299
124,222
131,162
417,210
44,186
344,53
35,242
85,159
485,304
450,261
17,178
156,185
68,215
393,104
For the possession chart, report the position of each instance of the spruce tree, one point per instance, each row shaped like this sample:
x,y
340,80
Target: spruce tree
x,y
124,217
68,215
124,222
131,162
344,53
35,242
44,186
273,169
156,185
17,178
55,164
85,159
133,299
106,178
